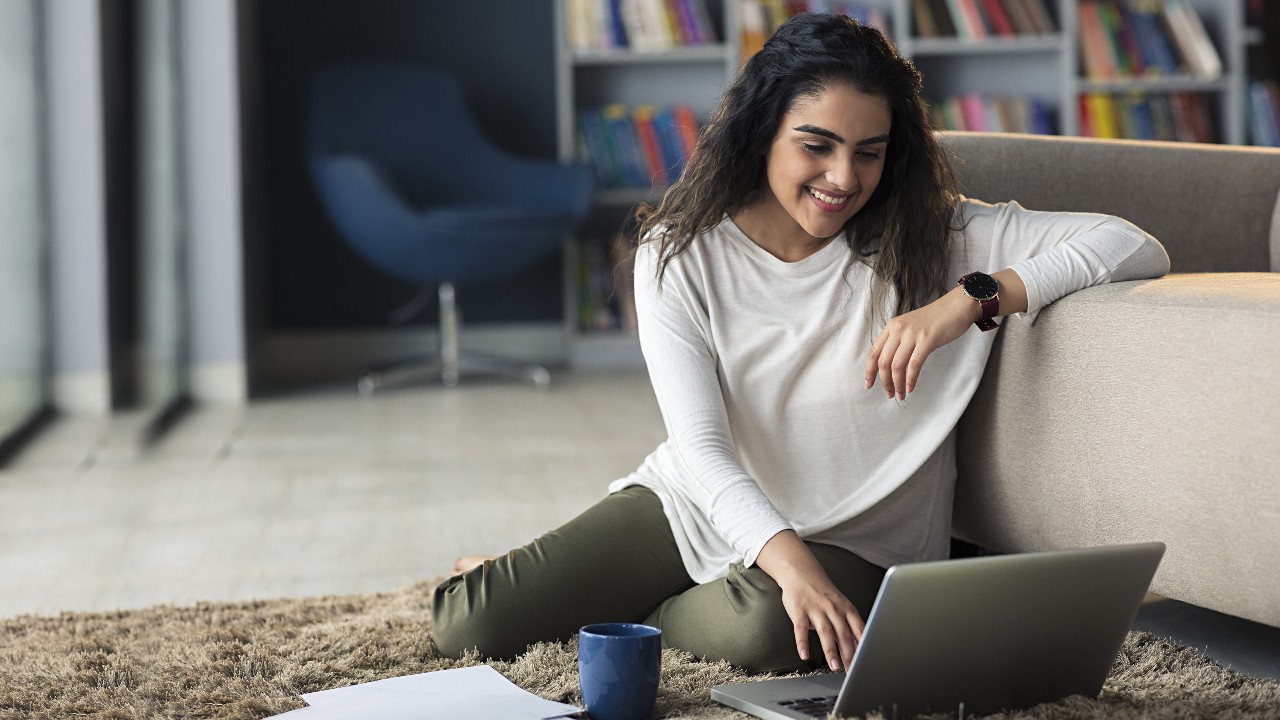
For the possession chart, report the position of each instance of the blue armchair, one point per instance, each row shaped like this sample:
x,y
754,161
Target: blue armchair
x,y
415,189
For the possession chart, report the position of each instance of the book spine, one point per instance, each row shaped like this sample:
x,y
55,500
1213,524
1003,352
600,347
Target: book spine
x,y
1157,54
1093,48
953,110
1128,37
1111,32
999,19
754,27
1161,116
590,129
702,20
687,124
1207,57
922,16
1040,16
973,19
648,138
964,30
1102,115
669,143
975,115
1183,45
1017,13
617,23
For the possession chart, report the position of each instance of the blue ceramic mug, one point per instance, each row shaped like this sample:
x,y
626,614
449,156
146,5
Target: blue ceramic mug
x,y
618,666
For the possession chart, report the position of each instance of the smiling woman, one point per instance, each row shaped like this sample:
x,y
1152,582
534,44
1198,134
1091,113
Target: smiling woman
x,y
23,219
816,231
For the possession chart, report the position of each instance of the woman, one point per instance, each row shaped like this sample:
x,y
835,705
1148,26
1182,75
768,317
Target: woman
x,y
815,234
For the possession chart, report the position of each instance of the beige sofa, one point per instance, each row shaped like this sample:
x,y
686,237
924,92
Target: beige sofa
x,y
1144,410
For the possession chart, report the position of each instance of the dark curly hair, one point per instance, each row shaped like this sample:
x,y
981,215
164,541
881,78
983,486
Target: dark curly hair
x,y
902,231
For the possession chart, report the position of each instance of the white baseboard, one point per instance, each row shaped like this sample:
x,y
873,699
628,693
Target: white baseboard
x,y
83,393
222,384
339,356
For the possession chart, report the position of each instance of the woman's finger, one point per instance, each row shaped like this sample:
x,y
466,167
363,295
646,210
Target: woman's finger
x,y
899,366
801,629
886,366
830,642
916,363
848,643
873,359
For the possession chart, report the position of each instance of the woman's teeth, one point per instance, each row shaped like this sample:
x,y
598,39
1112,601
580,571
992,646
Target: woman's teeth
x,y
829,199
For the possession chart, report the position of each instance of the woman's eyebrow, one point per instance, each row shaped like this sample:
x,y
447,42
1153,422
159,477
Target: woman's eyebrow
x,y
815,130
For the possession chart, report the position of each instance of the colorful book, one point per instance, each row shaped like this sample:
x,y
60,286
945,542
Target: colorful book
x,y
1190,34
687,123
1111,32
1102,116
973,19
922,16
1157,55
1017,12
975,115
1040,16
999,20
647,135
1098,61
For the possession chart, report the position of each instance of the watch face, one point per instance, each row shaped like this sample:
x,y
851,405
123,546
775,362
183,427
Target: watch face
x,y
981,286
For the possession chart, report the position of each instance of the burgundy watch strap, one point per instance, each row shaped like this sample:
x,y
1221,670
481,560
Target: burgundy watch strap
x,y
989,309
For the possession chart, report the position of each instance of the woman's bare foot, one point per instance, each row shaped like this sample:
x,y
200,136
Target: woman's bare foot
x,y
469,562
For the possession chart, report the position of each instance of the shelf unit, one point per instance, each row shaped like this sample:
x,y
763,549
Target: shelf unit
x,y
1047,66
693,75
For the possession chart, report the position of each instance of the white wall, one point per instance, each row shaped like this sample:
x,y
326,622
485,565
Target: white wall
x,y
73,59
214,214
22,208
209,65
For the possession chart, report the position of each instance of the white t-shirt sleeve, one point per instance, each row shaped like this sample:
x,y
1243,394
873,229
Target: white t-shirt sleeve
x,y
675,337
1058,253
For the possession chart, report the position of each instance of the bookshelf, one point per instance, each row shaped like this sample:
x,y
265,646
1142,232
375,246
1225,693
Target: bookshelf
x,y
592,76
1045,65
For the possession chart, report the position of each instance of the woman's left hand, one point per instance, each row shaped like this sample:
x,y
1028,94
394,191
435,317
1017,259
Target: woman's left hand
x,y
907,340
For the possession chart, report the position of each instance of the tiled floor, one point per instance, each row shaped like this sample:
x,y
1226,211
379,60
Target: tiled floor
x,y
327,492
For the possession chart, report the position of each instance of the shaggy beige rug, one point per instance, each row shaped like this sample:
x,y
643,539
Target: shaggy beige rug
x,y
252,660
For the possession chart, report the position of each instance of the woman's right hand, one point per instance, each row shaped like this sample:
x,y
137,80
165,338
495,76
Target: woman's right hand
x,y
811,600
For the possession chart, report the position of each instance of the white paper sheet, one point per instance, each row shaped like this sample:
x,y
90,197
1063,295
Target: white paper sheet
x,y
478,692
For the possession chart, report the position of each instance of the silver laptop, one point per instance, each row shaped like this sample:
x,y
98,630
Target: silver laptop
x,y
976,636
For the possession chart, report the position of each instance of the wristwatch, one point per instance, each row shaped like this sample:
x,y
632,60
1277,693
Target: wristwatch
x,y
986,290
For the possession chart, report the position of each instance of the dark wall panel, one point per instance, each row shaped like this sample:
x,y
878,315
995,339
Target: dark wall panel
x,y
504,54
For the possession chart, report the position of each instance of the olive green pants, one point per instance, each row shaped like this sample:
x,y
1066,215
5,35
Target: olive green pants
x,y
618,562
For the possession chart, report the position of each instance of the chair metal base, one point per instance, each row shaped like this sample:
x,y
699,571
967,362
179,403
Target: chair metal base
x,y
450,364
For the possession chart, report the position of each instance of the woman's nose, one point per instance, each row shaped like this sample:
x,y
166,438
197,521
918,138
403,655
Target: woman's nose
x,y
842,176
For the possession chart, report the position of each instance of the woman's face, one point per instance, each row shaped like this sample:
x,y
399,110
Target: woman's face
x,y
825,161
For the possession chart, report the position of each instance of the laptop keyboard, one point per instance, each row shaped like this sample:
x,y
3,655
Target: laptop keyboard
x,y
818,707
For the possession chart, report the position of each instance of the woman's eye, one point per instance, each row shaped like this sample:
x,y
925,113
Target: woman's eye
x,y
869,155
816,149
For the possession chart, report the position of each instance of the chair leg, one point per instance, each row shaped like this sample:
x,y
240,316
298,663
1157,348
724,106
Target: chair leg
x,y
452,362
448,336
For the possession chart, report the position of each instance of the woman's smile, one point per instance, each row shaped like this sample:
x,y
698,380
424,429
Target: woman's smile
x,y
829,200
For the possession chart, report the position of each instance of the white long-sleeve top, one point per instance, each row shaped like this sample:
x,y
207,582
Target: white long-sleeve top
x,y
758,368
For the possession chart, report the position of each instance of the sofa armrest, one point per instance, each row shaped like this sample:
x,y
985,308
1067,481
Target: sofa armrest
x,y
1136,411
